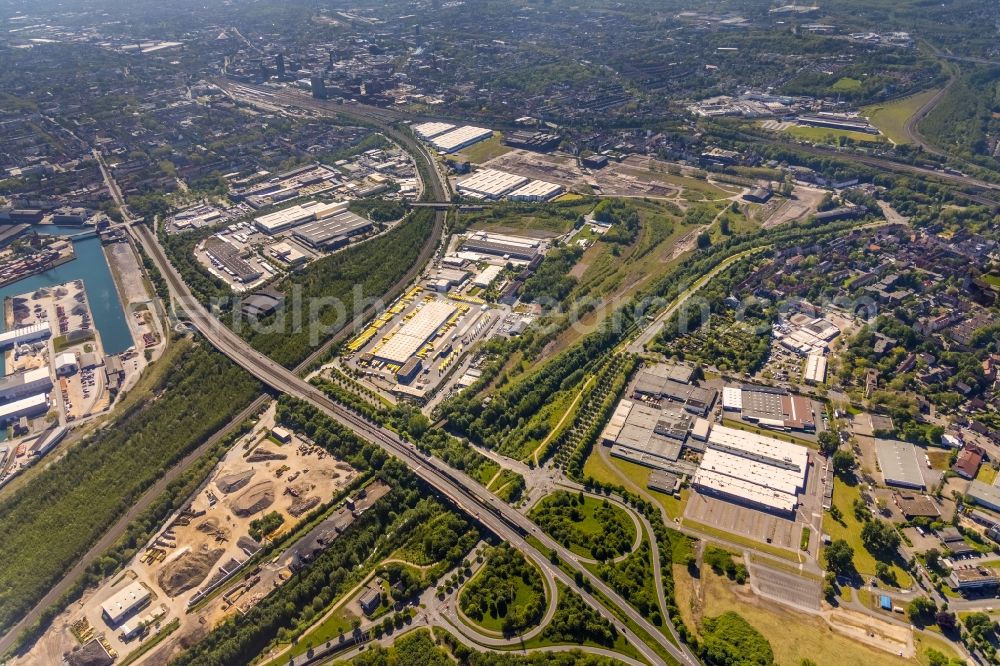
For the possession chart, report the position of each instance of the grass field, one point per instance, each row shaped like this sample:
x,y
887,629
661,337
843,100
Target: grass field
x,y
614,279
637,475
483,151
828,135
846,83
843,498
546,219
794,635
891,118
939,459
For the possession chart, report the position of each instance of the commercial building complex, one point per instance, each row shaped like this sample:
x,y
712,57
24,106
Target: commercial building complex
x,y
662,383
287,218
490,184
751,469
415,333
536,190
329,233
647,430
973,578
431,130
228,258
500,245
770,407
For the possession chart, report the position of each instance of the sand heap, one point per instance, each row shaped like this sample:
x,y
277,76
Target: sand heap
x,y
187,571
254,499
229,483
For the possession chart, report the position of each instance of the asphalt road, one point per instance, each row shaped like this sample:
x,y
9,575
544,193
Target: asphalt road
x,y
469,496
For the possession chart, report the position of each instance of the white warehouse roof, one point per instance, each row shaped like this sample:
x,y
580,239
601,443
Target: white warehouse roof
x,y
124,602
282,219
33,404
536,190
30,333
769,476
459,138
752,446
65,359
417,331
487,275
732,398
815,368
430,130
491,183
744,490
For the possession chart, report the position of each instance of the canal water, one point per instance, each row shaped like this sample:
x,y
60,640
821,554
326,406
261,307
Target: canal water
x,y
91,266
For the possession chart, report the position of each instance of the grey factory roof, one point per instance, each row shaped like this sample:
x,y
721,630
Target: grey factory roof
x,y
319,233
899,463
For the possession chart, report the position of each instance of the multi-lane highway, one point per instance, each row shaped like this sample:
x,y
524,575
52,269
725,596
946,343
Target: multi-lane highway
x,y
468,495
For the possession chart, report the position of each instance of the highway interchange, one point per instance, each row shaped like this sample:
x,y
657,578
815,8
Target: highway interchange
x,y
495,515
466,494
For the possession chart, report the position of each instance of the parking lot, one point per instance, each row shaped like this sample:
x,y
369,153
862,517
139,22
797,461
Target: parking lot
x,y
763,526
786,587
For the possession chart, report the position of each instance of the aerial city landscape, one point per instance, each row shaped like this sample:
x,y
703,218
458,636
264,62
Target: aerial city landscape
x,y
499,333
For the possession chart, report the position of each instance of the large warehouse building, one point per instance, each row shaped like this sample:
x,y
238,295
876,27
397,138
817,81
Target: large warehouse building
x,y
647,430
899,464
415,333
748,468
490,184
501,245
430,130
287,218
457,139
331,232
770,407
536,190
124,603
25,335
32,406
22,384
661,383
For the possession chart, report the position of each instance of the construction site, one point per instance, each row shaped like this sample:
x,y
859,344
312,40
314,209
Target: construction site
x,y
262,488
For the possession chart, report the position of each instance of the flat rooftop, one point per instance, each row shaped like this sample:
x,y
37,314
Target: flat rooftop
x,y
899,463
342,224
491,183
432,129
459,138
751,445
408,340
761,474
744,490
